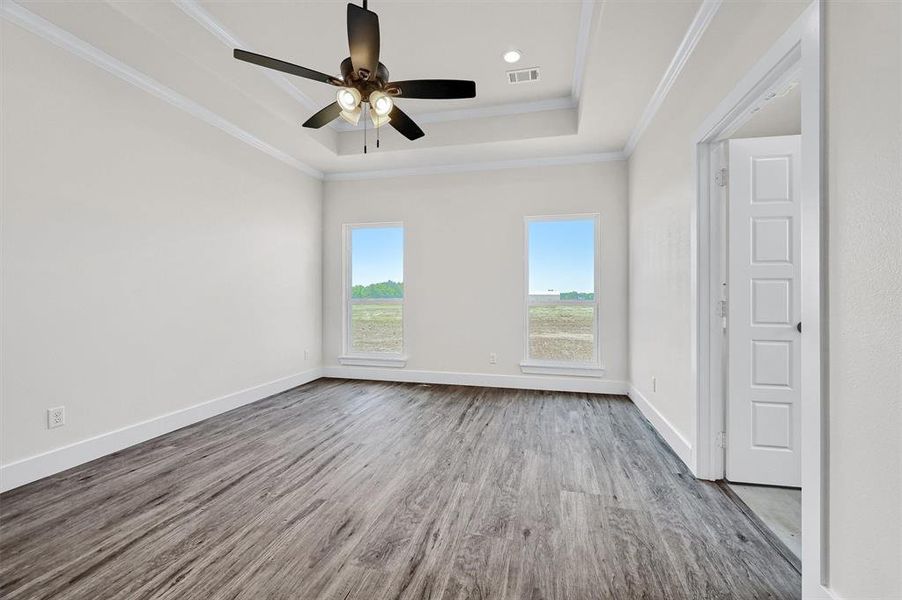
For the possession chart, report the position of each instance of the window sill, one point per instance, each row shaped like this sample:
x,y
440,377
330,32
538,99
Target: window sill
x,y
539,368
373,361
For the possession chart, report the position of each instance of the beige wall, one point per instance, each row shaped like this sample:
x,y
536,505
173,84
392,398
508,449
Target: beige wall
x,y
465,259
864,128
150,262
864,142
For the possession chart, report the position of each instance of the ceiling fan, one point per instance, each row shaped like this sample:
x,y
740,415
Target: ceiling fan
x,y
364,80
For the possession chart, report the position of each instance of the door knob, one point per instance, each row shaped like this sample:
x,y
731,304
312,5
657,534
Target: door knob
x,y
799,326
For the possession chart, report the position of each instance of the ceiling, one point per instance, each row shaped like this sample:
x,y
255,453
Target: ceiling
x,y
601,62
440,44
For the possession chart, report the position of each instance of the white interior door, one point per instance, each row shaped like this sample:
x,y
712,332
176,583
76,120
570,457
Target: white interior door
x,y
763,306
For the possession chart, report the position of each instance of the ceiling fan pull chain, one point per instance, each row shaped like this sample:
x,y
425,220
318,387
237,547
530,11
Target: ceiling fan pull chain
x,y
377,136
364,134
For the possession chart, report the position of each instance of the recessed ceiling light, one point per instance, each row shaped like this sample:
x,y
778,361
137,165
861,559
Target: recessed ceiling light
x,y
512,56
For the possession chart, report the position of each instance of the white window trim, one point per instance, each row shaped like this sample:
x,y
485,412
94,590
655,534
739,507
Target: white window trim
x,y
372,360
595,368
369,359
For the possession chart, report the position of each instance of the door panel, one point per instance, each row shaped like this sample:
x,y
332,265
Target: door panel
x,y
763,427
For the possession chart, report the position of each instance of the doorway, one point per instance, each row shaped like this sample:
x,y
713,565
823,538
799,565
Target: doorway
x,y
762,324
786,426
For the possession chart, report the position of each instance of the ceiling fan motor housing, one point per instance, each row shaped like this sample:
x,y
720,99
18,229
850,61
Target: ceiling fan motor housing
x,y
365,85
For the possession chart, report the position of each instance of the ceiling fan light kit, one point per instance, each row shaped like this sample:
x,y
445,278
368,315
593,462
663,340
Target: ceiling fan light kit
x,y
381,103
365,79
377,119
348,98
352,116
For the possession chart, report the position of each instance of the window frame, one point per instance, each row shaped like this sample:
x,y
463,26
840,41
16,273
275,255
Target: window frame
x,y
595,367
370,359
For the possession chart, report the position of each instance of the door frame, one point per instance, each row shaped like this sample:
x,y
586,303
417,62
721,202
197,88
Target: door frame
x,y
797,53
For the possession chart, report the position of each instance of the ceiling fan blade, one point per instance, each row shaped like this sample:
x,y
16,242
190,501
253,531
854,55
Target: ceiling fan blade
x,y
434,89
363,40
404,124
324,117
285,67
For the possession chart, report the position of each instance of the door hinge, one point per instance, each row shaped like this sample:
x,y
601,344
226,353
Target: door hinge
x,y
721,177
721,439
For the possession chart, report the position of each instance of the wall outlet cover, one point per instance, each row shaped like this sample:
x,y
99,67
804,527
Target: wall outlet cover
x,y
56,417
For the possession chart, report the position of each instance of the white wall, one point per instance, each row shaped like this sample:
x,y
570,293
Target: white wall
x,y
661,200
864,128
465,259
150,262
864,133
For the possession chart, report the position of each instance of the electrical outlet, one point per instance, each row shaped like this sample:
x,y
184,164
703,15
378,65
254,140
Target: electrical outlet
x,y
493,358
56,417
654,384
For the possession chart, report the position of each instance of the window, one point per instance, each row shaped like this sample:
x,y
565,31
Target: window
x,y
562,300
374,293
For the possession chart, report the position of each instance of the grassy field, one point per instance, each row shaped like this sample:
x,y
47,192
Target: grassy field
x,y
376,328
563,332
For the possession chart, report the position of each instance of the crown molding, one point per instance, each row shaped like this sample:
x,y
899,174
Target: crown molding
x,y
17,14
582,48
194,10
696,29
471,167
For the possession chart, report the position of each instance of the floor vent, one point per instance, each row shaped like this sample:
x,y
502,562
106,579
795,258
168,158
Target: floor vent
x,y
523,75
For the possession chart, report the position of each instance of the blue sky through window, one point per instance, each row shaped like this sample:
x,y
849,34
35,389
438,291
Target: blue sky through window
x,y
562,256
377,255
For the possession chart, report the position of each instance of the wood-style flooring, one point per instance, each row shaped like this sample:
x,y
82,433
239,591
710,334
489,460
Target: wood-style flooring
x,y
366,490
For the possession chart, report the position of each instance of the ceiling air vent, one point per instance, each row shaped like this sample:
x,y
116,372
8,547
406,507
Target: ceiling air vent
x,y
523,75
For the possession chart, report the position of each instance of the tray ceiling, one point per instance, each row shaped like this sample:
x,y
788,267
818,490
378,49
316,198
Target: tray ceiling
x,y
601,63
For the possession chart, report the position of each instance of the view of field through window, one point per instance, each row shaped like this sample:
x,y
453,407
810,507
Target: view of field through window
x,y
562,306
562,332
376,328
377,290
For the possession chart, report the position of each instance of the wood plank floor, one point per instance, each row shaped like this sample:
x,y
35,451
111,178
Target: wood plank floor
x,y
366,490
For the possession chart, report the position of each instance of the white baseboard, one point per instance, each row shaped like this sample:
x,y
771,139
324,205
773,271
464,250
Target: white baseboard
x,y
829,593
523,382
674,438
30,469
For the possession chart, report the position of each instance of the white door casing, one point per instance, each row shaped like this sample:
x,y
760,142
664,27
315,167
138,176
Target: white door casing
x,y
764,305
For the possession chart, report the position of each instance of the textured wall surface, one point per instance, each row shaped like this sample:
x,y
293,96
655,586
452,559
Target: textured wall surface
x,y
864,133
